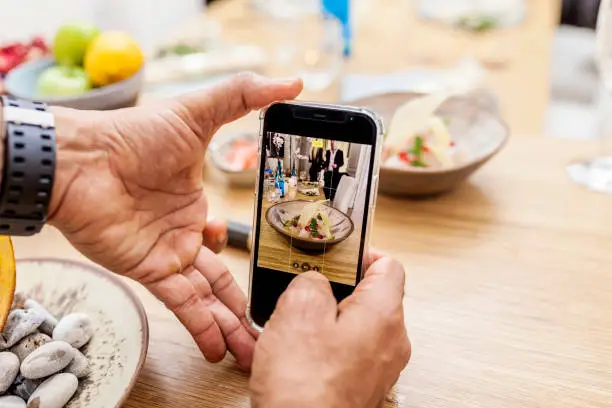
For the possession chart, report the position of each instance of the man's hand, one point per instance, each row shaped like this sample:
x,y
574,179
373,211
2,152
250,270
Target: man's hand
x,y
129,195
315,353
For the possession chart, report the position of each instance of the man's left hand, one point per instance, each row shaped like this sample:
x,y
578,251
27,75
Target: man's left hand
x,y
129,195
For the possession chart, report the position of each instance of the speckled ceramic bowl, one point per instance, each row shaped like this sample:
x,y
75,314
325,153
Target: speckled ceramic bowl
x,y
118,347
477,130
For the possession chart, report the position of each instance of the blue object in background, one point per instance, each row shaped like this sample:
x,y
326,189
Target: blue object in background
x,y
341,10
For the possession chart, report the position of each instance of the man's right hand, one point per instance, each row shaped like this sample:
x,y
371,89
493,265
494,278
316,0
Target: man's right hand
x,y
315,353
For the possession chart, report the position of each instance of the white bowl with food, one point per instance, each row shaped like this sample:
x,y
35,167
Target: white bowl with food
x,y
435,142
234,157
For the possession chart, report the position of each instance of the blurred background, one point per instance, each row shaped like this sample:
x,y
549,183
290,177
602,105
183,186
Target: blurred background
x,y
285,37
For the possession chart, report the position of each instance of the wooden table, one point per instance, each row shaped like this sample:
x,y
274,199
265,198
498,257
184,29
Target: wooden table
x,y
507,294
338,262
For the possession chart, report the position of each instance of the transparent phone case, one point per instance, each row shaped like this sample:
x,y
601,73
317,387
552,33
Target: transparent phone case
x,y
373,181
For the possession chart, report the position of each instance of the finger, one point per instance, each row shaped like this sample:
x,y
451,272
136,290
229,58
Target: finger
x,y
381,290
308,299
372,255
237,338
238,96
215,235
225,288
221,281
180,296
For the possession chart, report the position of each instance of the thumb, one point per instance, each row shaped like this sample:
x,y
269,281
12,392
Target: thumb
x,y
236,97
381,290
308,300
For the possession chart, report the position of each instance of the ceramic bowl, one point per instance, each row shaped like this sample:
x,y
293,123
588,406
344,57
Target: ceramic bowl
x,y
342,225
118,347
21,83
476,128
217,151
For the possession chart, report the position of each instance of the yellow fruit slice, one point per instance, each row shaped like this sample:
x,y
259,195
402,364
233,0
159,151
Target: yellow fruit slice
x,y
112,57
7,278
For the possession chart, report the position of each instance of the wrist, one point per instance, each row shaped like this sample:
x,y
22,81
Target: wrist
x,y
76,142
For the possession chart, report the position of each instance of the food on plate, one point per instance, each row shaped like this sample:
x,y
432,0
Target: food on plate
x,y
242,154
36,369
14,54
71,42
312,222
63,81
418,137
112,57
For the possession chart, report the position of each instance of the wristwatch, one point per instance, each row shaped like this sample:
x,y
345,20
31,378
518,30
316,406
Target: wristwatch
x,y
28,132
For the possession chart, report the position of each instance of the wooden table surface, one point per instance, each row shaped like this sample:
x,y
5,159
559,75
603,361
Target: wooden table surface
x,y
507,294
507,277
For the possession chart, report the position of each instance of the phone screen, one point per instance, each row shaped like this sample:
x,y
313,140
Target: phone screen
x,y
312,207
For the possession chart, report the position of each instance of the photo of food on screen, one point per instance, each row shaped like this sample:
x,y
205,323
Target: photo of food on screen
x,y
313,205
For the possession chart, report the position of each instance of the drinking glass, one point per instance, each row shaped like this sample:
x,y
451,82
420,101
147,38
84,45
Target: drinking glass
x,y
596,173
307,42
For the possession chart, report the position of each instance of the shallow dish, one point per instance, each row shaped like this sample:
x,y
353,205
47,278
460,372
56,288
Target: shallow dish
x,y
342,225
217,151
21,82
476,128
118,348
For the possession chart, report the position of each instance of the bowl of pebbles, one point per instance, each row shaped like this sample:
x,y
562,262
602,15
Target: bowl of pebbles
x,y
75,336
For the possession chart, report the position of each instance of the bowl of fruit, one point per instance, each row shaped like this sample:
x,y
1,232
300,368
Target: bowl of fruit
x,y
87,69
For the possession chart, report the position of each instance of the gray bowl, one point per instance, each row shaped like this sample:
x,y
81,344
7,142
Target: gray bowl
x,y
21,83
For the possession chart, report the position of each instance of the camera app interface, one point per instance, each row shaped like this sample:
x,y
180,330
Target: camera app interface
x,y
312,206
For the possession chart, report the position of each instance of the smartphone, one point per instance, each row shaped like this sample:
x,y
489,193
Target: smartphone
x,y
316,189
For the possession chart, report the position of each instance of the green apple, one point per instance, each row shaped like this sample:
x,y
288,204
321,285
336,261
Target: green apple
x,y
63,81
71,42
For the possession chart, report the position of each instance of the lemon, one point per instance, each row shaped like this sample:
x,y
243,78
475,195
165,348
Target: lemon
x,y
112,57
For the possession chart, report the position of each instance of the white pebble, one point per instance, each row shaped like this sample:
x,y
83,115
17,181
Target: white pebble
x,y
50,321
30,343
55,392
9,367
79,366
19,324
11,401
75,328
47,359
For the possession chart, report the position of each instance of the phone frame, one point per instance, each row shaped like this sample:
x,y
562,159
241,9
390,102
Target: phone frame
x,y
376,119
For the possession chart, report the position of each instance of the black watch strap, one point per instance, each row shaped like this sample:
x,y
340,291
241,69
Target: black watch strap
x,y
29,166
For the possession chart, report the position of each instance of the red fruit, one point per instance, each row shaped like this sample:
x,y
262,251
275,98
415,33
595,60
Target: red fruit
x,y
403,156
307,228
425,148
452,143
39,42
